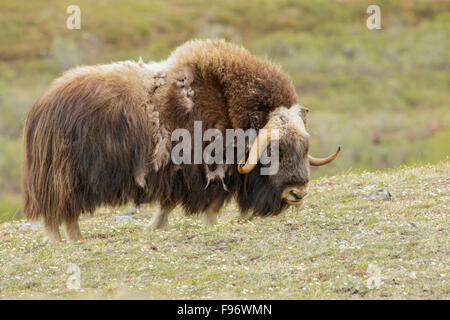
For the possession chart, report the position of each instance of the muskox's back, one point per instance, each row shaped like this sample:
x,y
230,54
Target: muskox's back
x,y
86,141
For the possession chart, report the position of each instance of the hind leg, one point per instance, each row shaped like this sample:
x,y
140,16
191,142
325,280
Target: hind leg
x,y
160,219
72,230
51,231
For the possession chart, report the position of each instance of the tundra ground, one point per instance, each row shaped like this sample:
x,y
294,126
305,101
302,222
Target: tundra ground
x,y
321,251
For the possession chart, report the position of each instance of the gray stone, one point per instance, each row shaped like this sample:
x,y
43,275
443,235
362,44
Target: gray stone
x,y
120,218
380,194
28,226
129,211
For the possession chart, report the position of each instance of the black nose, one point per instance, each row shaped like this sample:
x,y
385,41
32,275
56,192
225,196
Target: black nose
x,y
297,195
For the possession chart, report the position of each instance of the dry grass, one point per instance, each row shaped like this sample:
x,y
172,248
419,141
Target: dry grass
x,y
321,251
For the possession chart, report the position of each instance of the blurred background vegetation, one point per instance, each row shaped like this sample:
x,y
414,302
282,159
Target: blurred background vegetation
x,y
383,95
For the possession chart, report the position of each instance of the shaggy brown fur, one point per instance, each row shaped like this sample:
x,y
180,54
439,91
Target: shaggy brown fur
x,y
90,139
101,135
246,88
233,89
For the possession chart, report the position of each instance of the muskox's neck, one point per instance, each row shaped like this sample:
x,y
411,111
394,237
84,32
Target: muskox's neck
x,y
248,88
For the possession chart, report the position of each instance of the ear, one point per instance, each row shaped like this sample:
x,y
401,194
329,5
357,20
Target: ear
x,y
303,112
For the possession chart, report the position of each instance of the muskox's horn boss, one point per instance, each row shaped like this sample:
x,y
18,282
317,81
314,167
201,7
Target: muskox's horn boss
x,y
101,135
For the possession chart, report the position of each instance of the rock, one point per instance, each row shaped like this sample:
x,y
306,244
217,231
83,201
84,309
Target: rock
x,y
434,127
130,211
120,218
375,137
28,226
380,194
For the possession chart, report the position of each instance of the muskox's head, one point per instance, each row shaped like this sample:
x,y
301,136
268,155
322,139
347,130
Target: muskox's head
x,y
286,136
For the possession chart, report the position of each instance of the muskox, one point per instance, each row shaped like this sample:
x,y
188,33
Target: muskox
x,y
101,135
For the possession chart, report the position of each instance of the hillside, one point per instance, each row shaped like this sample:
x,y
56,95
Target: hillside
x,y
339,245
380,94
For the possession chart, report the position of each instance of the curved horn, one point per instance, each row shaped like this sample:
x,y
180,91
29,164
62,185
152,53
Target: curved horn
x,y
321,161
258,146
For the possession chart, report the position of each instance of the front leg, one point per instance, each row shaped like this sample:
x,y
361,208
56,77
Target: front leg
x,y
160,219
210,216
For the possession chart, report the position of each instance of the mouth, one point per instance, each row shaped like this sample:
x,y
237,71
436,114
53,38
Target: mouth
x,y
294,203
294,197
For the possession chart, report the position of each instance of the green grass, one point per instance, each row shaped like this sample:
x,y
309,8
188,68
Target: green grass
x,y
10,207
321,251
375,93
